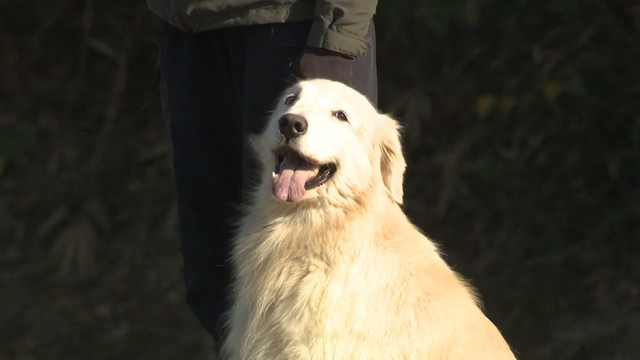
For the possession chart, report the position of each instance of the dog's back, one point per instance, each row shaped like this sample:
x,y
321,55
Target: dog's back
x,y
339,272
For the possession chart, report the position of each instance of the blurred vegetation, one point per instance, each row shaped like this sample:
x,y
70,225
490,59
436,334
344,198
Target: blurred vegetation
x,y
522,132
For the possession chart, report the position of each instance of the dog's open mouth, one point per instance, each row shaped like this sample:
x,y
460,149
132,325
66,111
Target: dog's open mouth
x,y
295,174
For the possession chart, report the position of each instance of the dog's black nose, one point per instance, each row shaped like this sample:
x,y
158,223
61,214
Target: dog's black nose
x,y
292,125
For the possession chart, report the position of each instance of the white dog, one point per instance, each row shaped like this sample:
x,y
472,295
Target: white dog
x,y
327,264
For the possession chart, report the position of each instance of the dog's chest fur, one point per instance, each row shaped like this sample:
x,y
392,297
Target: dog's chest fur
x,y
295,274
313,286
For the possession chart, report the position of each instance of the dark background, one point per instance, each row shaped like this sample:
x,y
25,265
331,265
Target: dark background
x,y
522,136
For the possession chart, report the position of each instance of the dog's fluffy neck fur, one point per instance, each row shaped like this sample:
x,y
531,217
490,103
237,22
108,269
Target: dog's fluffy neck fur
x,y
293,273
298,258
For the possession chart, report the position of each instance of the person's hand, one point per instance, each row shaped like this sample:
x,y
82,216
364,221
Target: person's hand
x,y
316,63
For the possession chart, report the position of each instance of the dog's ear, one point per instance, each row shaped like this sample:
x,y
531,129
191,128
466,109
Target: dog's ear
x,y
392,163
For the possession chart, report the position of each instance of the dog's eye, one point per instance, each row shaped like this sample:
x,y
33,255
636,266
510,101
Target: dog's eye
x,y
289,100
340,115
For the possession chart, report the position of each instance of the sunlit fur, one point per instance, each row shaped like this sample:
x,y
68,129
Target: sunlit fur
x,y
342,273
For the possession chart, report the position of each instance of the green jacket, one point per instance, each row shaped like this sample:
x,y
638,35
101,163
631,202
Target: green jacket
x,y
337,25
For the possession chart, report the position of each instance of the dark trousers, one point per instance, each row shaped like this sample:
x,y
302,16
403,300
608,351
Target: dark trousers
x,y
217,87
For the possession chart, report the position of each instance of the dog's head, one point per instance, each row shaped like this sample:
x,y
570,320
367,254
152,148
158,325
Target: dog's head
x,y
325,140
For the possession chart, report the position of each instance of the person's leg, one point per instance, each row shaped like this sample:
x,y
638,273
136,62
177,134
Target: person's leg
x,y
270,51
203,110
218,87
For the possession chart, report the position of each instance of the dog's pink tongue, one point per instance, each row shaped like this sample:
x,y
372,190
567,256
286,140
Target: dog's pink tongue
x,y
288,184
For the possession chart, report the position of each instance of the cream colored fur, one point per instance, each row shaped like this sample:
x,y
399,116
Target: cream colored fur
x,y
342,273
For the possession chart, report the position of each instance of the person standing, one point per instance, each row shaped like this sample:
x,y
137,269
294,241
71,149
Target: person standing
x,y
222,65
